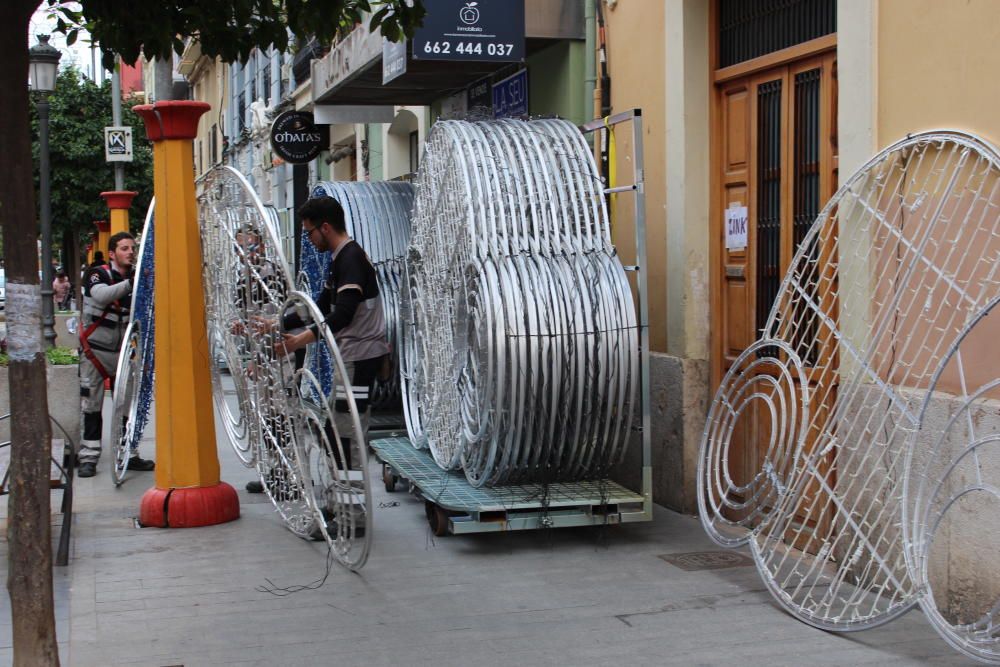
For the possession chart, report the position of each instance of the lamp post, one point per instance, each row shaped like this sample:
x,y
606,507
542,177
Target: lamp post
x,y
43,60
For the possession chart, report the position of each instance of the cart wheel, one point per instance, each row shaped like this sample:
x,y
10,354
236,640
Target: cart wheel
x,y
388,479
437,517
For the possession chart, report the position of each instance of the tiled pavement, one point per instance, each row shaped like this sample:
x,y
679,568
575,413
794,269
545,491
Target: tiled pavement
x,y
600,596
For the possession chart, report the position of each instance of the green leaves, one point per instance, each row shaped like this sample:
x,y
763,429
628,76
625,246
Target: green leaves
x,y
79,111
229,29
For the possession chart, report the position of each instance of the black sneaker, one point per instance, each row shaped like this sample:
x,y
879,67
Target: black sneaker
x,y
331,528
87,469
255,487
140,465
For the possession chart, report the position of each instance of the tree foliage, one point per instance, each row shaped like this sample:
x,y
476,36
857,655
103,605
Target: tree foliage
x,y
79,112
229,29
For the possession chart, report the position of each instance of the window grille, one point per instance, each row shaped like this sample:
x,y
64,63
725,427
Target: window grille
x,y
752,28
768,198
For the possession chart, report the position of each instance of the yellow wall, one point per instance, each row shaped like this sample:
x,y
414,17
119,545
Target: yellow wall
x,y
208,85
636,65
937,64
937,67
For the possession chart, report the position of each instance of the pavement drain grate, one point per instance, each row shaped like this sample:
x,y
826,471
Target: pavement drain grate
x,y
707,560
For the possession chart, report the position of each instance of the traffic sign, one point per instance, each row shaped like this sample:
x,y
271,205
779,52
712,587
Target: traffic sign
x,y
118,144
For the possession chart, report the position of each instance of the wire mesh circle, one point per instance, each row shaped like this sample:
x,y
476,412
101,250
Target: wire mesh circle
x,y
125,399
880,287
132,396
767,377
246,281
519,345
339,496
952,497
233,405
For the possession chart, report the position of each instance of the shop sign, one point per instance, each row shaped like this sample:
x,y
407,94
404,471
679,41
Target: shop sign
x,y
510,96
480,96
471,30
296,139
393,60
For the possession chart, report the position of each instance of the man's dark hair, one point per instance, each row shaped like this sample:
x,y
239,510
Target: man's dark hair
x,y
98,258
120,236
319,210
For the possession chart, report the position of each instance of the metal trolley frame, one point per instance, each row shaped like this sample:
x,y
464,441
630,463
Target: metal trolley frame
x,y
454,506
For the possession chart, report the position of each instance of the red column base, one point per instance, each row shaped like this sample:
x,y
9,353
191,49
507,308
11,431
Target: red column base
x,y
189,508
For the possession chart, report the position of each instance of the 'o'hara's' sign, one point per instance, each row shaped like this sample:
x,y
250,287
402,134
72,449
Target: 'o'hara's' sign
x,y
295,138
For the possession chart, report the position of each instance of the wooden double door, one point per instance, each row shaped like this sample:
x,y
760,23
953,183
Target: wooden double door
x,y
776,157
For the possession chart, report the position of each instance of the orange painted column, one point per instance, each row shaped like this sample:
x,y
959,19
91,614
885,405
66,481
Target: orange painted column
x,y
119,201
188,490
103,234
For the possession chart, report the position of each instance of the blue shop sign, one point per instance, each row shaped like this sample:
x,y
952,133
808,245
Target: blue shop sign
x,y
510,96
471,30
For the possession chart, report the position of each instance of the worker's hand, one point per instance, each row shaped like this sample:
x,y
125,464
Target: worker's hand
x,y
263,325
291,342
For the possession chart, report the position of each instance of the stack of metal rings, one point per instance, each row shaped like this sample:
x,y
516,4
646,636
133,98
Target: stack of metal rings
x,y
520,347
377,216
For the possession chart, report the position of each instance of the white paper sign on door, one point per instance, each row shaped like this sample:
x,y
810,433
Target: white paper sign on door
x,y
736,227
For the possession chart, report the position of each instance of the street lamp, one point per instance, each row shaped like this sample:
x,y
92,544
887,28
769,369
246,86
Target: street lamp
x,y
43,59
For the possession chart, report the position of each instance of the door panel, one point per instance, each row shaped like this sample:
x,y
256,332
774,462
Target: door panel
x,y
778,158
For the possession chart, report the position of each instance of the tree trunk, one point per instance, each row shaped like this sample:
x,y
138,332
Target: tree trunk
x,y
29,539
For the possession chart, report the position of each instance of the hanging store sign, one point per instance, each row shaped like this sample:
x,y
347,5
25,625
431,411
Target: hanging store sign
x,y
487,30
296,139
480,96
510,96
736,227
118,144
393,60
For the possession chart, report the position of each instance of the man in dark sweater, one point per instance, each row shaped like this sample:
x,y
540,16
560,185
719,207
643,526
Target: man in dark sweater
x,y
351,306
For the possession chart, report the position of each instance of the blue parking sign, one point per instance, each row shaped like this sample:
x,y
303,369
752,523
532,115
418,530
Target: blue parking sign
x,y
510,96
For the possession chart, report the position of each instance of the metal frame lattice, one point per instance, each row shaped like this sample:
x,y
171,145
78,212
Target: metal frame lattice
x,y
860,475
133,391
275,416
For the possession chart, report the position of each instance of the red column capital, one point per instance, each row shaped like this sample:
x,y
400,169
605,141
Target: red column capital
x,y
119,198
172,119
102,225
150,119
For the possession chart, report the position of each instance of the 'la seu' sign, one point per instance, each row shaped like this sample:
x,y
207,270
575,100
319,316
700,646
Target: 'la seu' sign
x,y
295,138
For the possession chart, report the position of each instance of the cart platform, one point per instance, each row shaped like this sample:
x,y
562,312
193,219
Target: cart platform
x,y
455,506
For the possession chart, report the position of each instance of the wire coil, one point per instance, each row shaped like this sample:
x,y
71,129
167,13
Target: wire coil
x,y
520,355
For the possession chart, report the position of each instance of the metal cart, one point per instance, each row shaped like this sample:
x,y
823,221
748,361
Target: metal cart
x,y
454,506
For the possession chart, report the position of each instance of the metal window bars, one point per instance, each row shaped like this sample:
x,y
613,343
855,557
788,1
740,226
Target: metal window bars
x,y
133,390
520,357
276,417
860,463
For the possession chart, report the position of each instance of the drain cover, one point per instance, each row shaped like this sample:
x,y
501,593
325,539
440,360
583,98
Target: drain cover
x,y
707,560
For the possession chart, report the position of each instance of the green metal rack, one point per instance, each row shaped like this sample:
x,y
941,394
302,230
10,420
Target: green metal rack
x,y
454,506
